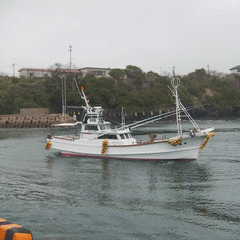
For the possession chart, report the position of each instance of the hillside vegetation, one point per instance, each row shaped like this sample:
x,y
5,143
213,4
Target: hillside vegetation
x,y
217,95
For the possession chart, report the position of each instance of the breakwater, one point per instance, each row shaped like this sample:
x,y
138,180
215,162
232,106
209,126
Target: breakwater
x,y
35,121
47,120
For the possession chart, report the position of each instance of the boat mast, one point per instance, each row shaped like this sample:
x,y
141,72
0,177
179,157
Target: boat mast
x,y
84,97
175,83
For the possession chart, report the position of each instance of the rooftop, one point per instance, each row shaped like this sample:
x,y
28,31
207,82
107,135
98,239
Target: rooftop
x,y
33,69
237,67
68,70
95,68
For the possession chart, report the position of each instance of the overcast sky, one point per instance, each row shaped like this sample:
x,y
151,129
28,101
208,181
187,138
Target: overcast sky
x,y
155,35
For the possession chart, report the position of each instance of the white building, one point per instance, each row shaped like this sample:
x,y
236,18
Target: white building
x,y
82,72
235,70
34,72
96,72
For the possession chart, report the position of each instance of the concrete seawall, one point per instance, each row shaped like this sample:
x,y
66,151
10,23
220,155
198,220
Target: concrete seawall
x,y
36,121
47,120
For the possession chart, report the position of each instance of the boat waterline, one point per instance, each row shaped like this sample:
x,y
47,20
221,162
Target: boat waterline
x,y
66,154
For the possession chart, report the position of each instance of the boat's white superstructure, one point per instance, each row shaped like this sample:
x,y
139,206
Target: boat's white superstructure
x,y
97,139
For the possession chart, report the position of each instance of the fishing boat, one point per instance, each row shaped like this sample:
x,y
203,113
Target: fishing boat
x,y
96,137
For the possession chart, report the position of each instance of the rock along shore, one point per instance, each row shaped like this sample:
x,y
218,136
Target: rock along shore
x,y
35,121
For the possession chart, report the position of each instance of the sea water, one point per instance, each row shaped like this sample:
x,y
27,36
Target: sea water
x,y
63,198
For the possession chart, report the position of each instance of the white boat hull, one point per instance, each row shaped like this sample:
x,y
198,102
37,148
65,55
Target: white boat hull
x,y
157,150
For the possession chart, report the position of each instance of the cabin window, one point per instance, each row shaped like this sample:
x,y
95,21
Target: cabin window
x,y
102,137
112,137
126,135
122,136
107,136
88,127
93,119
85,119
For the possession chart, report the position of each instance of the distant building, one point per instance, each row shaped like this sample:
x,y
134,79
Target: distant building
x,y
166,73
34,72
79,73
235,70
96,72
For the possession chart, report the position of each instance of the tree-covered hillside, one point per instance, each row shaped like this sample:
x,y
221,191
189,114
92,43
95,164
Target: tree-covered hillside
x,y
216,94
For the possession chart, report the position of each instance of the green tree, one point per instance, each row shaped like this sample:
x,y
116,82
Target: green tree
x,y
136,74
117,73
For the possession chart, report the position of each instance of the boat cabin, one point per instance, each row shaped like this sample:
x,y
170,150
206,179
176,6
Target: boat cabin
x,y
94,121
96,127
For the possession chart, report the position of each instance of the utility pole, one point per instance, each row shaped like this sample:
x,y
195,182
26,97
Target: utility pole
x,y
173,71
70,56
208,69
14,69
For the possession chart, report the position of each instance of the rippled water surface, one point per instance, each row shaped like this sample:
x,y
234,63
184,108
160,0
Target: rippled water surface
x,y
82,198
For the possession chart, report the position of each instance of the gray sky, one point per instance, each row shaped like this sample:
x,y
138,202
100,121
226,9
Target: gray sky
x,y
155,35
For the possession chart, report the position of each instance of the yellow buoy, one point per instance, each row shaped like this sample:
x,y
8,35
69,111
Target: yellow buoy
x,y
210,134
48,145
104,146
175,141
